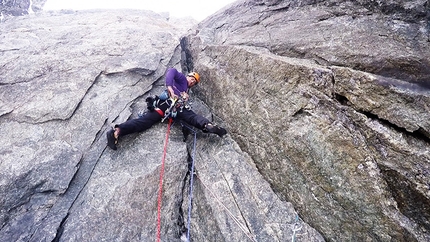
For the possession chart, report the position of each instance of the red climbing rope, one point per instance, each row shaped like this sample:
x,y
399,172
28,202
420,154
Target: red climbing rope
x,y
161,180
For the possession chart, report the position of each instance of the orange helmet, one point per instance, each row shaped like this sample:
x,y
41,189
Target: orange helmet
x,y
195,75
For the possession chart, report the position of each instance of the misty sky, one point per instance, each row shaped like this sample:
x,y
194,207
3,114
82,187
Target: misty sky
x,y
198,9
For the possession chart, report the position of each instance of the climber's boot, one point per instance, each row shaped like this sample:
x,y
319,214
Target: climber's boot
x,y
211,128
111,139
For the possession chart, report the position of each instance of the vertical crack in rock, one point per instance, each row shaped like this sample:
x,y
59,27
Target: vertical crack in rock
x,y
60,229
181,222
410,201
76,186
132,103
79,181
186,56
100,133
86,93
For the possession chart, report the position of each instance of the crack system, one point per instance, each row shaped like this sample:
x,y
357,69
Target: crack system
x,y
419,134
75,188
410,201
181,221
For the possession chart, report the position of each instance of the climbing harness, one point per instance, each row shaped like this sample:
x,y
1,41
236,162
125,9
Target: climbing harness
x,y
161,180
166,106
171,110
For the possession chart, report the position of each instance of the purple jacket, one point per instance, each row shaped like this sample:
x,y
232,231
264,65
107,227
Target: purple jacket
x,y
177,80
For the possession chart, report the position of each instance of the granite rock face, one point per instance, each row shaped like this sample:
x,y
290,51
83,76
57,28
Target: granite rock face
x,y
387,38
331,101
326,104
20,7
66,79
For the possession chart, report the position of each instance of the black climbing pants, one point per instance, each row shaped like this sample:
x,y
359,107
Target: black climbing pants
x,y
152,117
191,118
139,124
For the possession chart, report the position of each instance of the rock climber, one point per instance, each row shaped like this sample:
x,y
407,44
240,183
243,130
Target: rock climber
x,y
177,85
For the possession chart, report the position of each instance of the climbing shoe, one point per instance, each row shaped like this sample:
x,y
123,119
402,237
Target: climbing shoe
x,y
112,141
210,128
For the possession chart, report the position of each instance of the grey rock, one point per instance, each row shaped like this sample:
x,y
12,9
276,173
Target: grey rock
x,y
388,38
20,7
67,78
328,124
349,173
301,86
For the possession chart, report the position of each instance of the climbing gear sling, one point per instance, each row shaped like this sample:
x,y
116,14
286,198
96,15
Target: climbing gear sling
x,y
166,106
170,112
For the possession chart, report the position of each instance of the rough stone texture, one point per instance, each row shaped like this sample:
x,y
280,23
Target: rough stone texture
x,y
331,102
66,78
20,7
326,104
388,38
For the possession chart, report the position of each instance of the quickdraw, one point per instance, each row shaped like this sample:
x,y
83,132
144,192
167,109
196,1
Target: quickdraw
x,y
171,110
176,105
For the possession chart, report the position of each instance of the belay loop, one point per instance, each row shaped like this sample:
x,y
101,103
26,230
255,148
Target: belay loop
x,y
175,106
